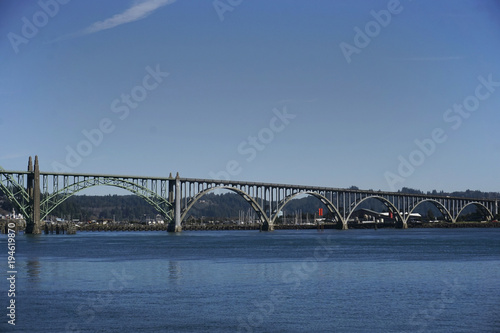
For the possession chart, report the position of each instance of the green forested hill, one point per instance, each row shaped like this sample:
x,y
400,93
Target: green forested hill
x,y
226,205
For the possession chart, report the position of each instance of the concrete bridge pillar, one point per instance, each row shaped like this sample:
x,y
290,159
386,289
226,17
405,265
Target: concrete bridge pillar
x,y
266,226
171,188
175,226
33,223
402,224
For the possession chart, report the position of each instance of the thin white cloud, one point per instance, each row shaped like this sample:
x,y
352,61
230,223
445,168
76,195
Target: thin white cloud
x,y
137,12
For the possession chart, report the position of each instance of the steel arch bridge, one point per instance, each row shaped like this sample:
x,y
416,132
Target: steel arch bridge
x,y
144,188
35,194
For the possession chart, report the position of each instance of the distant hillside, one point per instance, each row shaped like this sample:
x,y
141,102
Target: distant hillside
x,y
226,205
463,194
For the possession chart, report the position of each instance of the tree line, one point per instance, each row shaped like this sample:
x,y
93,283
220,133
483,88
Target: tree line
x,y
225,205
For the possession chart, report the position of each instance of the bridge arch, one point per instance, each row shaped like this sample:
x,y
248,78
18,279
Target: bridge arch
x,y
479,205
329,205
386,203
436,203
255,206
51,201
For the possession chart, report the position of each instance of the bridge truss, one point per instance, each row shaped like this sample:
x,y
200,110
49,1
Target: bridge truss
x,y
59,187
36,194
10,184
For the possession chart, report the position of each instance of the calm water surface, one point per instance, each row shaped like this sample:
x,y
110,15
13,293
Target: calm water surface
x,y
416,280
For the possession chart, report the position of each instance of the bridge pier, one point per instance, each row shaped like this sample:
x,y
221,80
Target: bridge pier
x,y
172,227
266,226
401,224
175,225
33,223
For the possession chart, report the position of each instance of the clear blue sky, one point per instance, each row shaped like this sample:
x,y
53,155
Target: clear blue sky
x,y
350,104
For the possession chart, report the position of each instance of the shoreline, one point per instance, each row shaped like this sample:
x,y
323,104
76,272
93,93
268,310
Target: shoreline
x,y
65,228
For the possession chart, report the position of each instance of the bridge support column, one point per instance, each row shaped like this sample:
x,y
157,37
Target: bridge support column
x,y
266,226
175,226
171,187
33,223
344,225
401,224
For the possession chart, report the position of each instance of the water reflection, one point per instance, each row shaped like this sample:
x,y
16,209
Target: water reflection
x,y
33,268
174,271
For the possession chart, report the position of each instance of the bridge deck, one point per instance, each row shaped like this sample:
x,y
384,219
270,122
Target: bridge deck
x,y
250,183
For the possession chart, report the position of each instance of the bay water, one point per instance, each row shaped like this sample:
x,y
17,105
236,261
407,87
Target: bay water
x,y
386,280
